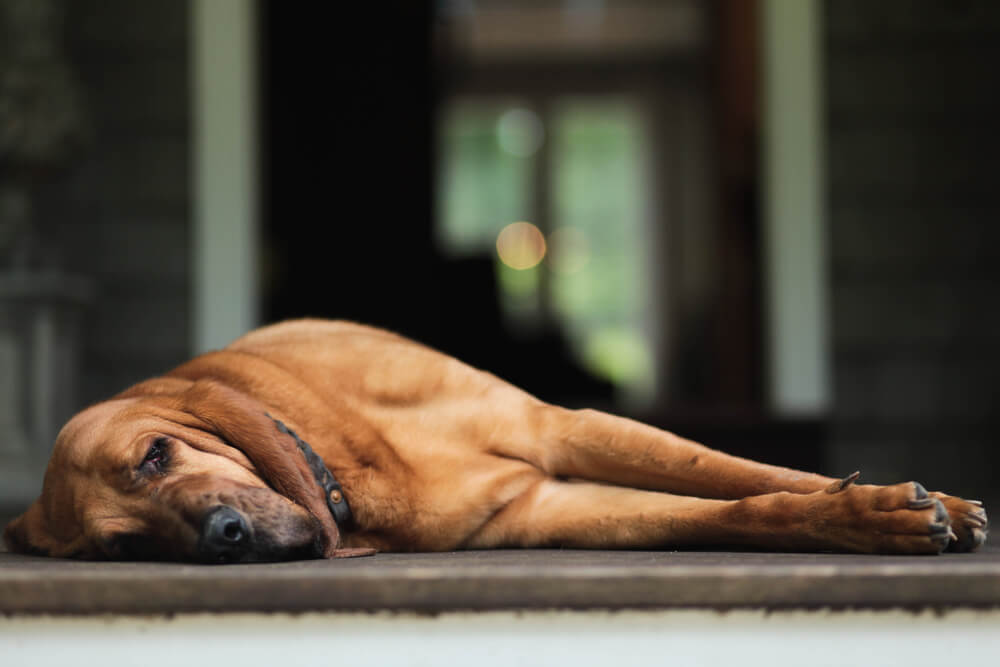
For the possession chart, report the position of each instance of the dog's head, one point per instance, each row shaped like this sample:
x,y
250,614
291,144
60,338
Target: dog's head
x,y
176,470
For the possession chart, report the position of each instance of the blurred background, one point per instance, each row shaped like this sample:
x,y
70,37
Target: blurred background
x,y
769,225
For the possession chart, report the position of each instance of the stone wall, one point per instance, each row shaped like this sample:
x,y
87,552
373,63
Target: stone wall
x,y
122,213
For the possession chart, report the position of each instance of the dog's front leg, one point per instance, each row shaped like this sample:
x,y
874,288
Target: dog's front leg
x,y
868,519
597,446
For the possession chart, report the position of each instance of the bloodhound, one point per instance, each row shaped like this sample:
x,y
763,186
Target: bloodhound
x,y
324,439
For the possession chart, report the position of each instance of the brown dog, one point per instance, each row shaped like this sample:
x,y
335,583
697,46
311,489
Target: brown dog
x,y
210,463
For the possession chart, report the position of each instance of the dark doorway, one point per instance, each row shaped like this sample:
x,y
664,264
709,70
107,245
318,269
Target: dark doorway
x,y
388,182
349,99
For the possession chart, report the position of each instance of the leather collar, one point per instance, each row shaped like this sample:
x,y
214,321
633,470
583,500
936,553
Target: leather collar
x,y
335,498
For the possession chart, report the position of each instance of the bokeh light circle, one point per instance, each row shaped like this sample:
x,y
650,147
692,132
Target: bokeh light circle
x,y
521,245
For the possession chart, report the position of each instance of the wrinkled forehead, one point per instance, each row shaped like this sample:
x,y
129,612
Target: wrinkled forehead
x,y
88,445
99,430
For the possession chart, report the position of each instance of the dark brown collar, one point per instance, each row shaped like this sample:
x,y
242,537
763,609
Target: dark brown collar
x,y
335,498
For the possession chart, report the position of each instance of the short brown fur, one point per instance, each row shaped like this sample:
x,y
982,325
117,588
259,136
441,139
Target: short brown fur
x,y
432,455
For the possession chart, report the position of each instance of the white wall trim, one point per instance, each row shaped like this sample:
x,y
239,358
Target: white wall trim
x,y
794,207
753,638
225,206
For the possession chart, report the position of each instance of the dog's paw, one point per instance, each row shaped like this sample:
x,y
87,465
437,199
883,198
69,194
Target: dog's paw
x,y
897,519
968,522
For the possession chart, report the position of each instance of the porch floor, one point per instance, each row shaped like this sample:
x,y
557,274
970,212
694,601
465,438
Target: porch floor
x,y
506,580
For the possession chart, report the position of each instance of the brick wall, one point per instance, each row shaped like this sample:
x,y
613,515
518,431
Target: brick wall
x,y
121,215
912,101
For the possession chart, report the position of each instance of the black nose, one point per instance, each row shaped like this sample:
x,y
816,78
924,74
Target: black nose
x,y
225,536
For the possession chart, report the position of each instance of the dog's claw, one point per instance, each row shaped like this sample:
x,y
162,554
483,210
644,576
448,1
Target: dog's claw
x,y
977,518
952,535
940,513
842,484
939,529
919,490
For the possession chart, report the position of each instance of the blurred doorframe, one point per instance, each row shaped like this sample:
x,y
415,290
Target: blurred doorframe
x,y
793,215
225,207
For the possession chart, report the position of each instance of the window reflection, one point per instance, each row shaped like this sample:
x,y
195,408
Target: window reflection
x,y
557,197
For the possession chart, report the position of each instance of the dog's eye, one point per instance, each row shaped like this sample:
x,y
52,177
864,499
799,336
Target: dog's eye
x,y
156,456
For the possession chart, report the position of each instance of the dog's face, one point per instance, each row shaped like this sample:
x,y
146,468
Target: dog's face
x,y
150,478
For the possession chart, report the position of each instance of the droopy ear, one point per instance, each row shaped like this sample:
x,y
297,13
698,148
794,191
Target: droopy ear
x,y
243,423
16,534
